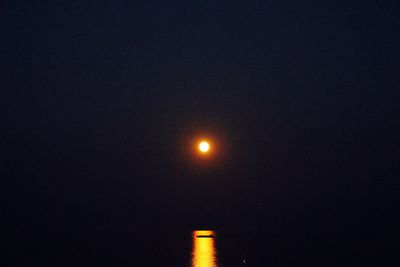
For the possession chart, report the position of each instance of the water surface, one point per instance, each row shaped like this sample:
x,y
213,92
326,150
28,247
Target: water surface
x,y
204,251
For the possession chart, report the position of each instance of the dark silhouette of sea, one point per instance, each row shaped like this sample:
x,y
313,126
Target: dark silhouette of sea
x,y
240,248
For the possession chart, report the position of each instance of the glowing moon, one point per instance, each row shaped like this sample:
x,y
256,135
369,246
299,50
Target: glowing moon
x,y
204,147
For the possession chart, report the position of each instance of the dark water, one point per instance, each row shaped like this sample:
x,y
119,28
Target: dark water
x,y
244,249
219,249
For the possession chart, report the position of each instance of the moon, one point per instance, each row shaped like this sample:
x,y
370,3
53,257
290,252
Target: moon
x,y
204,147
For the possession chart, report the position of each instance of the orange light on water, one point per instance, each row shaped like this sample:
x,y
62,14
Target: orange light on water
x,y
204,252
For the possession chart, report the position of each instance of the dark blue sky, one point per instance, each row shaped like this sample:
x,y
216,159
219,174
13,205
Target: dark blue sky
x,y
98,97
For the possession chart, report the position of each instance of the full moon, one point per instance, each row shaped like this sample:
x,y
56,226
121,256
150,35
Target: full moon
x,y
204,146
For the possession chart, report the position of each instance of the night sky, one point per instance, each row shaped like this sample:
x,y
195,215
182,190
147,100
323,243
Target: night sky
x,y
99,101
